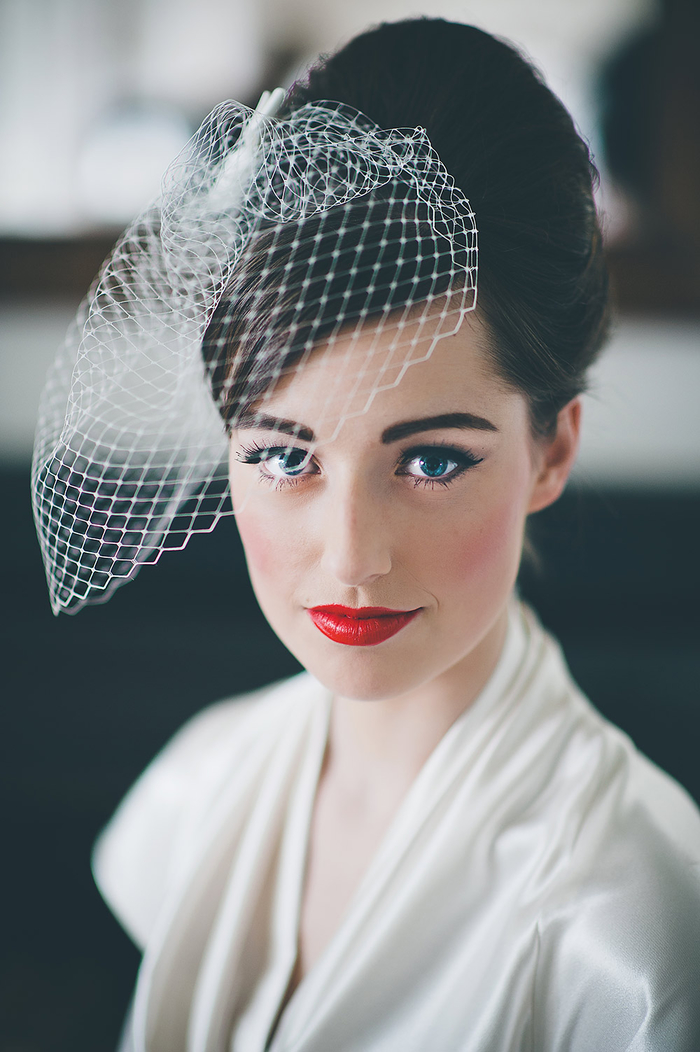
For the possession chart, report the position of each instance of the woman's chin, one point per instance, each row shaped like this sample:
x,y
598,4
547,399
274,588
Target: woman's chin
x,y
378,672
366,673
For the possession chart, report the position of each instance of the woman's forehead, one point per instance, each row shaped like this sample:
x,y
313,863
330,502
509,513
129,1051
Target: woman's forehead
x,y
358,378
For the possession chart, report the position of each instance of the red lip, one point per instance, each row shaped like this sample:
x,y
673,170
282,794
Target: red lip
x,y
360,626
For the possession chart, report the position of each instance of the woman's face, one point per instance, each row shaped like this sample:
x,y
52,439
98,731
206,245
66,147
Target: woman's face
x,y
417,505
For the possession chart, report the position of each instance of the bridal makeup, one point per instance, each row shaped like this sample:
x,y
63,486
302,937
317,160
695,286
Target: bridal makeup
x,y
363,626
383,536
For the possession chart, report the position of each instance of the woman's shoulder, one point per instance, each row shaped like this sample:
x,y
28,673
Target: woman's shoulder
x,y
133,856
590,772
213,738
627,798
627,826
224,726
619,939
619,929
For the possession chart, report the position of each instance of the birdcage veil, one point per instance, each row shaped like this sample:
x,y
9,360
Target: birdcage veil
x,y
272,239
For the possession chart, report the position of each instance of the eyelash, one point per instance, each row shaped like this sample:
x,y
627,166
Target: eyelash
x,y
463,458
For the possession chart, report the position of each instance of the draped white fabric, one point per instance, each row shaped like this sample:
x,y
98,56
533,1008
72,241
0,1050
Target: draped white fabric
x,y
538,890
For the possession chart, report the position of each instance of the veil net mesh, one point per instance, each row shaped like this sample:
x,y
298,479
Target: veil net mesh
x,y
271,240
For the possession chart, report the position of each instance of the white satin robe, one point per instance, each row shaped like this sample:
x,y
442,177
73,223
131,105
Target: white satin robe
x,y
538,890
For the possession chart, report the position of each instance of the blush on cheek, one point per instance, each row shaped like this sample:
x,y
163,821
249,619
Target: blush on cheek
x,y
260,548
484,554
275,549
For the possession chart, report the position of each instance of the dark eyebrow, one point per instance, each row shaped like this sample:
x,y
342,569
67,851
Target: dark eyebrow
x,y
464,421
275,423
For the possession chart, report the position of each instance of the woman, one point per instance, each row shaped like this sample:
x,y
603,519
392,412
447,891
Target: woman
x,y
430,840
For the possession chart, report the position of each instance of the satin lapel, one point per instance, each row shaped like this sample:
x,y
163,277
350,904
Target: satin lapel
x,y
264,872
236,830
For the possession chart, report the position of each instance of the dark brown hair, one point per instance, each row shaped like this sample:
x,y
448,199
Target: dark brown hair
x,y
513,150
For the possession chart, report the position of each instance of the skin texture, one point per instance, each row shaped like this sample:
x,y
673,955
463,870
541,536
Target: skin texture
x,y
362,526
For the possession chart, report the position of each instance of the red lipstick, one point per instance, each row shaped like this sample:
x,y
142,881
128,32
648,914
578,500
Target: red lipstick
x,y
360,626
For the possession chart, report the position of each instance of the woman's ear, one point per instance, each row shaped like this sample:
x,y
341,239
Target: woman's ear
x,y
555,456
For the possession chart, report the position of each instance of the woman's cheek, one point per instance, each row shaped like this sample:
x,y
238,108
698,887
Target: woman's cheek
x,y
481,551
273,547
259,543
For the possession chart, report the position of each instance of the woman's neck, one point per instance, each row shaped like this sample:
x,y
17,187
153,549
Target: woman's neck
x,y
375,750
376,745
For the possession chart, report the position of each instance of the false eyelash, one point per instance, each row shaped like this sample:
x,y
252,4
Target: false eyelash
x,y
426,483
254,454
257,454
462,457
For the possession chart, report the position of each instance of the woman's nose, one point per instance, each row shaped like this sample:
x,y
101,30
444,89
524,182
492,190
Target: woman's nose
x,y
356,548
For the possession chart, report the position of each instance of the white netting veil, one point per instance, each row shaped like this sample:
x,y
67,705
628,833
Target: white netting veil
x,y
271,239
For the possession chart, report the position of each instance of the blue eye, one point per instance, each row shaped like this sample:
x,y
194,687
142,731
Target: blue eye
x,y
436,464
289,463
427,465
280,462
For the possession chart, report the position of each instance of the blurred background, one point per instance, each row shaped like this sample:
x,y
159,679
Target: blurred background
x,y
96,97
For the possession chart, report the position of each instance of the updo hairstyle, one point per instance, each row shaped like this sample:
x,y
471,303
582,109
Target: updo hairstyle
x,y
512,149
